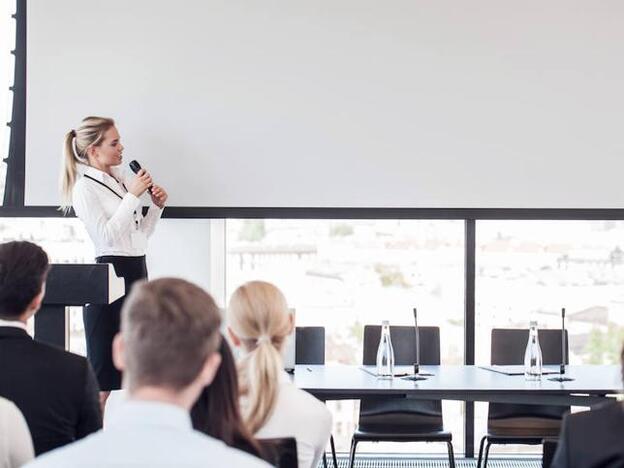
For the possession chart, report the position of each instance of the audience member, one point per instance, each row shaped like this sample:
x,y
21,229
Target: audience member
x,y
16,447
216,412
593,438
168,351
272,405
55,390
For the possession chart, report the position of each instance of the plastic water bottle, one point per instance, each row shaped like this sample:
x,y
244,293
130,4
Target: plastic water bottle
x,y
385,353
533,356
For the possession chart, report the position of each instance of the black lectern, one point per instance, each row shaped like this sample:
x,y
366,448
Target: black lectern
x,y
73,285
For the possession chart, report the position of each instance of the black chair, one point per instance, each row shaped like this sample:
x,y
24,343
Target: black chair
x,y
281,452
517,423
310,349
548,453
310,345
399,419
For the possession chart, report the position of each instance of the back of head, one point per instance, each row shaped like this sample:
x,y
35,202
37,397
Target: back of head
x,y
90,133
169,327
23,270
258,315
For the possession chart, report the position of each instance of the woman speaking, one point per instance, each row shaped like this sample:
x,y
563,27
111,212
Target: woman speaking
x,y
106,199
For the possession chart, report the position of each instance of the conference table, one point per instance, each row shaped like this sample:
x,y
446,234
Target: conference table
x,y
591,384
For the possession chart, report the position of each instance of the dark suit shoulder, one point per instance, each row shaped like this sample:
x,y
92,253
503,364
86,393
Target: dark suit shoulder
x,y
613,411
594,438
60,355
43,360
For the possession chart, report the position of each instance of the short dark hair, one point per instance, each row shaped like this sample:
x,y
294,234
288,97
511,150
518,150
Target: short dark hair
x,y
170,327
23,270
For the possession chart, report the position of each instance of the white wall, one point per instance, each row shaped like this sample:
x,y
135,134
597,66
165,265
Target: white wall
x,y
341,103
181,248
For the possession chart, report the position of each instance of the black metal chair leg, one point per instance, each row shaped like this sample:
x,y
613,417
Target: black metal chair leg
x,y
324,460
333,450
481,451
487,454
352,452
451,454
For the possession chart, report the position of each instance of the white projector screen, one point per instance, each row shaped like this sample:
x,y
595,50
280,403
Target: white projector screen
x,y
339,103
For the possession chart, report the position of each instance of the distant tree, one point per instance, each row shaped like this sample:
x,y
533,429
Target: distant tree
x,y
340,230
252,230
604,347
391,275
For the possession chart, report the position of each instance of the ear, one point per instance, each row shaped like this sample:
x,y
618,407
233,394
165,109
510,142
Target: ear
x,y
211,366
118,352
92,151
236,341
34,305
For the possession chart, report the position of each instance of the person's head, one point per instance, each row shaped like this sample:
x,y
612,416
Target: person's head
x,y
23,271
95,143
259,322
169,340
217,412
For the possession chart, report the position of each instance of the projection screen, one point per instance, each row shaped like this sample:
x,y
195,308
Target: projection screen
x,y
338,103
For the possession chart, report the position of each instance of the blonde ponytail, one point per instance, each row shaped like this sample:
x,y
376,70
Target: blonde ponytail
x,y
258,314
68,173
90,133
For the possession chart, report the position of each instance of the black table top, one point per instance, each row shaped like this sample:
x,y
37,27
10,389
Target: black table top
x,y
468,383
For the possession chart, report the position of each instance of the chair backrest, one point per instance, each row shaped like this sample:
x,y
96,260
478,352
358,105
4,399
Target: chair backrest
x,y
394,415
288,348
310,345
282,452
508,346
549,449
404,345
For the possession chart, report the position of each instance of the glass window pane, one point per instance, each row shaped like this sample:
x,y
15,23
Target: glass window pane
x,y
344,274
531,269
65,241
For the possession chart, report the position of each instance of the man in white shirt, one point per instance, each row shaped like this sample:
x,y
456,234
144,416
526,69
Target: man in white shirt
x,y
167,350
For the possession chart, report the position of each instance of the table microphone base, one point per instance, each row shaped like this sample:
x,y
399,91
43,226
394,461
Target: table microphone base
x,y
560,379
415,377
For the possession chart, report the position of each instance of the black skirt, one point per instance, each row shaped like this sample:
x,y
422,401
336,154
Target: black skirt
x,y
101,322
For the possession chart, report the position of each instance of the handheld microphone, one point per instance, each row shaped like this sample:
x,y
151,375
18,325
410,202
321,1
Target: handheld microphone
x,y
136,167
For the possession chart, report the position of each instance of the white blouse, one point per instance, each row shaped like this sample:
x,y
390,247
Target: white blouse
x,y
298,414
16,447
111,214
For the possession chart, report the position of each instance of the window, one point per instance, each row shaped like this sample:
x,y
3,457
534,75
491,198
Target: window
x,y
343,274
529,270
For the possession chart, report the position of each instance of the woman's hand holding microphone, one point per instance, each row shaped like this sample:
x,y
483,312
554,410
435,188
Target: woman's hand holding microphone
x,y
142,182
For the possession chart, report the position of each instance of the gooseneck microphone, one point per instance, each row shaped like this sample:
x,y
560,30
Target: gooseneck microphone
x,y
136,167
564,348
417,374
417,338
